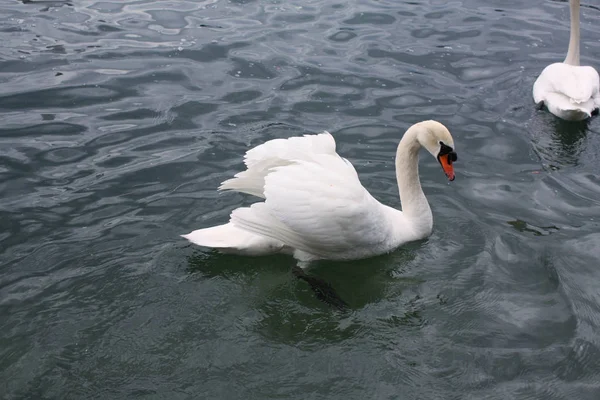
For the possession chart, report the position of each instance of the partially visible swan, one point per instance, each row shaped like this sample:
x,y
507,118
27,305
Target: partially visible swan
x,y
568,90
315,206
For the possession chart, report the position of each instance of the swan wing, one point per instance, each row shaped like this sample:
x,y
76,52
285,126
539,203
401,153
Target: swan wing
x,y
261,159
294,148
318,206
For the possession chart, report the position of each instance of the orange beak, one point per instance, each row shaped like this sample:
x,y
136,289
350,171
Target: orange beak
x,y
447,166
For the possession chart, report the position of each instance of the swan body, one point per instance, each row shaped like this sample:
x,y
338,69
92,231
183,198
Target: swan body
x,y
315,206
569,91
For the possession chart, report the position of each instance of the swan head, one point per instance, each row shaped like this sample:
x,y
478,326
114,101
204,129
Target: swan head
x,y
436,138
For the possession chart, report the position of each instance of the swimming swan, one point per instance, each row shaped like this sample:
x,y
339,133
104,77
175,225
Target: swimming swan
x,y
315,206
568,90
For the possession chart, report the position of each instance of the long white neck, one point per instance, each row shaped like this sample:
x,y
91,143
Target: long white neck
x,y
573,52
414,203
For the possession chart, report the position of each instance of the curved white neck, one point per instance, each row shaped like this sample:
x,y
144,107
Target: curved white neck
x,y
573,52
414,203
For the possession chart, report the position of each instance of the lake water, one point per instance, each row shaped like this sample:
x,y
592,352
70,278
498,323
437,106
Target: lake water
x,y
119,119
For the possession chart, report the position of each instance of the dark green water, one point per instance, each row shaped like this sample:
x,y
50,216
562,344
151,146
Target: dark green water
x,y
119,119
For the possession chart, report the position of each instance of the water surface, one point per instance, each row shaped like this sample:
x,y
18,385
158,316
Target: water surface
x,y
119,119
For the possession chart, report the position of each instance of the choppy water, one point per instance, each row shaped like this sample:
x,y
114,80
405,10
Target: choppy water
x,y
120,118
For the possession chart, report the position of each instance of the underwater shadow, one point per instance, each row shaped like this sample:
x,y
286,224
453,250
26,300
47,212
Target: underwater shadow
x,y
322,303
344,286
211,264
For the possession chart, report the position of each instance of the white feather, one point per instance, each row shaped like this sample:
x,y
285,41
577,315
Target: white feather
x,y
228,238
276,153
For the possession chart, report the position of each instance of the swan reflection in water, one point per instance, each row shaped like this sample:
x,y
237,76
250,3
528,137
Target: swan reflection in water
x,y
557,142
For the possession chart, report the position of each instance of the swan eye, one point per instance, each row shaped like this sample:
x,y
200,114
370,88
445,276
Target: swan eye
x,y
445,149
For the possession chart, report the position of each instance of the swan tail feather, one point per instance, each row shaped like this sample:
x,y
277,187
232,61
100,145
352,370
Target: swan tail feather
x,y
568,91
229,238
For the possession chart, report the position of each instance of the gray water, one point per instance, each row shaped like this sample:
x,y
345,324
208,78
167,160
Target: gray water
x,y
119,119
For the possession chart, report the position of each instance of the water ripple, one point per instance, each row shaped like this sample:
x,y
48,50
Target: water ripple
x,y
121,118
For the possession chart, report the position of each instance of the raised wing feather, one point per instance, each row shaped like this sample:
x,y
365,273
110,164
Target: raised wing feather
x,y
294,148
261,159
318,206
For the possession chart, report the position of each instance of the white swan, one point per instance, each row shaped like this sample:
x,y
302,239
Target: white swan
x,y
315,206
568,90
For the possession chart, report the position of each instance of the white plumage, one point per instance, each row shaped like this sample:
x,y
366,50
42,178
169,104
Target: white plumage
x,y
568,90
315,206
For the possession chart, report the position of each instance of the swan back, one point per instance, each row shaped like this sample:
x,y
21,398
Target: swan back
x,y
570,92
